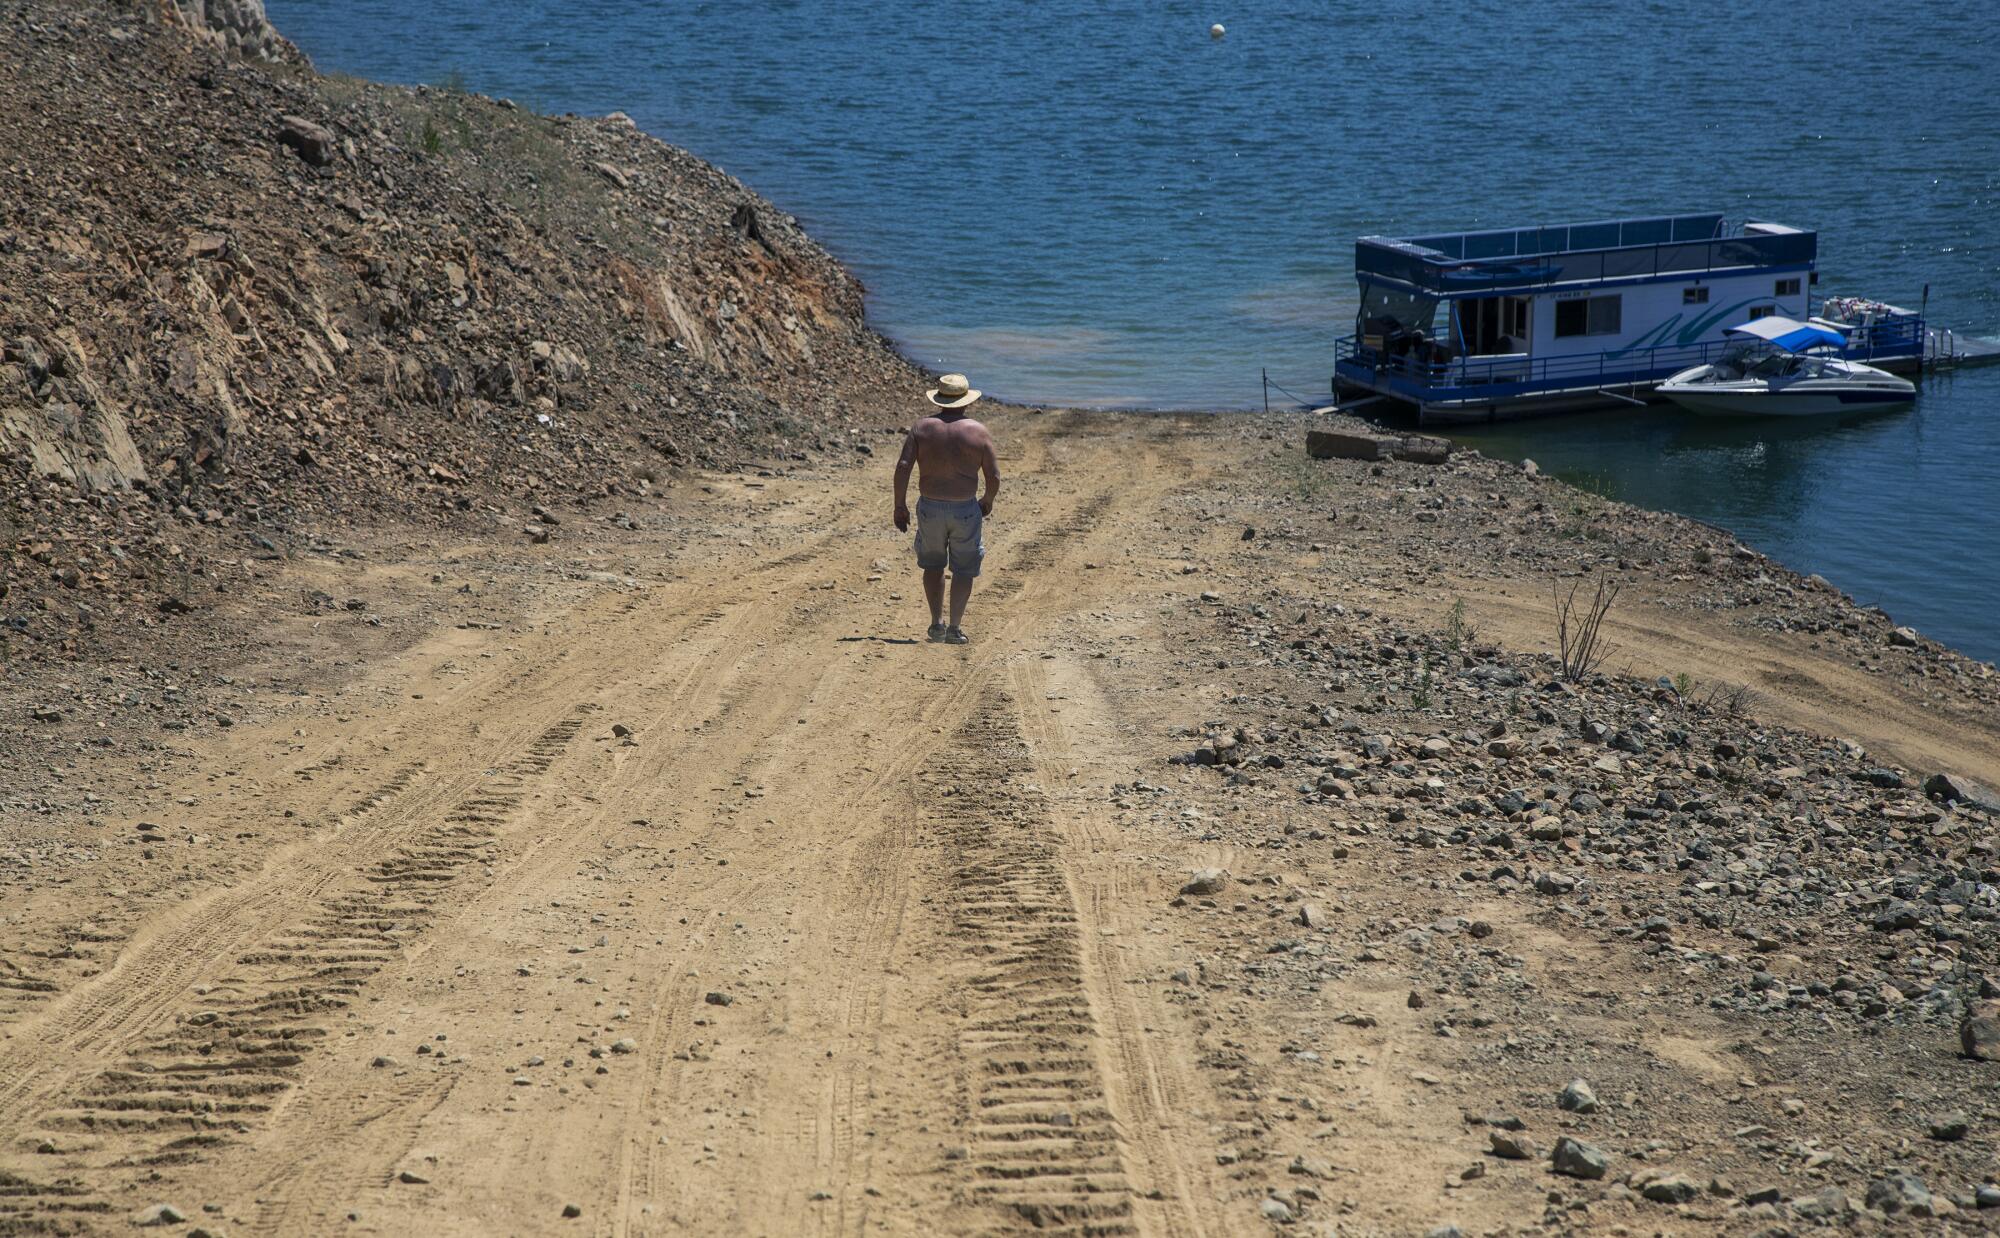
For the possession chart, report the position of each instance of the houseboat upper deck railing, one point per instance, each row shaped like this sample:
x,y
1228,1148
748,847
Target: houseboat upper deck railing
x,y
1482,262
1568,238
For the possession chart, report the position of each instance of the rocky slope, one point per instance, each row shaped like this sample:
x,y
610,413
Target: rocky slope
x,y
239,299
1766,988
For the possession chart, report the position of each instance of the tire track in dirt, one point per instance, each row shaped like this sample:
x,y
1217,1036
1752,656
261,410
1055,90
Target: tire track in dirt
x,y
1153,1082
849,1003
234,1049
153,971
21,989
1046,1155
327,1152
58,1035
152,964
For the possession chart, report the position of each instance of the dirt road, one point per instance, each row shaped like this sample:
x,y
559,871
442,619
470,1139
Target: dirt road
x,y
721,905
822,948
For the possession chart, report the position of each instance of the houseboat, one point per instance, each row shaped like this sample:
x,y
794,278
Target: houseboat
x,y
1481,326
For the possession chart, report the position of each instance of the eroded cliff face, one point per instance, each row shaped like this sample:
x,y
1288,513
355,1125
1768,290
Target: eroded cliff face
x,y
239,27
237,298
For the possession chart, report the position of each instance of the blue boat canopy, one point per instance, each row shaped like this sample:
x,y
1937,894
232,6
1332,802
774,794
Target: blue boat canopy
x,y
1790,334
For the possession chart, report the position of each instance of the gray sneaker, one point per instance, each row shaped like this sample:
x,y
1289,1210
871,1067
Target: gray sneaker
x,y
936,633
952,636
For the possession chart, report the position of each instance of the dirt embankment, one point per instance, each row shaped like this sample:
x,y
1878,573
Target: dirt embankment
x,y
242,304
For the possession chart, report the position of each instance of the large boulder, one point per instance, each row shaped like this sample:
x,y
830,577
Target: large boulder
x,y
314,143
1958,789
1577,1159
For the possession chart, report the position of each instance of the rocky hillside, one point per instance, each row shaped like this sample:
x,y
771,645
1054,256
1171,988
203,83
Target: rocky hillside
x,y
238,298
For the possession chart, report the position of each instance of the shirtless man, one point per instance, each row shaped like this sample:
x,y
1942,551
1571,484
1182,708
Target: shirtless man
x,y
949,451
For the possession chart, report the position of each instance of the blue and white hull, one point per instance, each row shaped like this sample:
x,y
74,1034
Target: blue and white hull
x,y
1786,386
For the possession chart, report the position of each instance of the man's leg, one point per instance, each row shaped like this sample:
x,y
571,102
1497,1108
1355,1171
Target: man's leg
x,y
934,593
961,590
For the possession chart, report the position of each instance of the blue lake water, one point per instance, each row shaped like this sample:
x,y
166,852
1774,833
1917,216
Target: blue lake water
x,y
1097,203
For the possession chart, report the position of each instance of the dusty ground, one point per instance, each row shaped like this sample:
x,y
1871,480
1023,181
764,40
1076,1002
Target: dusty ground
x,y
713,903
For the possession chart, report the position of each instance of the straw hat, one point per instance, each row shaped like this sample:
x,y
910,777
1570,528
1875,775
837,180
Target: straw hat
x,y
952,392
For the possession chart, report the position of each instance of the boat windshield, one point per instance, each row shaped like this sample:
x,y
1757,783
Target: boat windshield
x,y
1776,364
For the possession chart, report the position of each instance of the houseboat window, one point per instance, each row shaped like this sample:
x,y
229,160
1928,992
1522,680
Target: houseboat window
x,y
1589,316
1762,311
1694,296
1787,287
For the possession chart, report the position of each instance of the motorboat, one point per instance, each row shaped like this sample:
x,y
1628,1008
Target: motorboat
x,y
1785,368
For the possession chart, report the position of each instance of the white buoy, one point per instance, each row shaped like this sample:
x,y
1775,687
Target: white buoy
x,y
1216,31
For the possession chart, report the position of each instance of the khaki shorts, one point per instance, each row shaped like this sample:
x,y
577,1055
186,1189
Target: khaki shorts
x,y
950,533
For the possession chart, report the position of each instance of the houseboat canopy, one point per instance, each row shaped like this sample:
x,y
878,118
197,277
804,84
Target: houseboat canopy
x,y
1789,334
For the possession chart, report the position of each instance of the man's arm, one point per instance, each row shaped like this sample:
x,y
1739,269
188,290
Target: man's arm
x,y
904,463
989,463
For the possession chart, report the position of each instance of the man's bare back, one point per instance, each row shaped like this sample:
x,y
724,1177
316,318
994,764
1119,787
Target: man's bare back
x,y
950,452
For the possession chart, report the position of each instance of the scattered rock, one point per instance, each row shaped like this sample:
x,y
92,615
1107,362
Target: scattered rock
x,y
1578,1097
1311,1167
1901,1194
1979,1031
1825,1204
1577,1159
1950,1128
313,143
159,1214
1670,1189
1206,881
